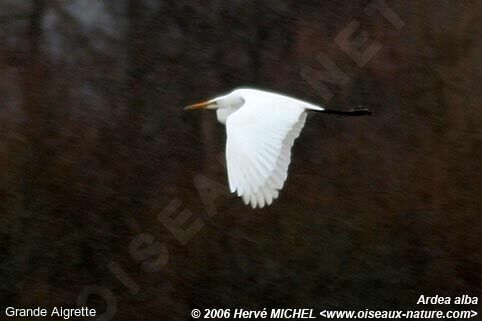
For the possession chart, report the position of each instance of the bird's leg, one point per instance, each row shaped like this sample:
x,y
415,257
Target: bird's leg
x,y
357,111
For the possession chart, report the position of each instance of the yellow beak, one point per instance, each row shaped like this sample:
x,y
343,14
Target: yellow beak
x,y
202,105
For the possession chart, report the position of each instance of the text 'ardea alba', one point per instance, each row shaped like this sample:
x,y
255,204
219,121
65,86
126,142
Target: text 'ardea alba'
x,y
261,128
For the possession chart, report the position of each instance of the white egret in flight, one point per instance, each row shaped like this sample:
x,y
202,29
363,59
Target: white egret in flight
x,y
261,128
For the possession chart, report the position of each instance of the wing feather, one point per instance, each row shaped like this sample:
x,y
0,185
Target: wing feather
x,y
258,150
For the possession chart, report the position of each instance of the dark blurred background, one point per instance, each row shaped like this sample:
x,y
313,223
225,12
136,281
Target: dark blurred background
x,y
94,145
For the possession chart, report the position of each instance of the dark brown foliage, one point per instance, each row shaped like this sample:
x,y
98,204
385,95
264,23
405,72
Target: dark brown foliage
x,y
94,144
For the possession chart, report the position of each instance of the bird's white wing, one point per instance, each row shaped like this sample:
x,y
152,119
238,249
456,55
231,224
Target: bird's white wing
x,y
258,151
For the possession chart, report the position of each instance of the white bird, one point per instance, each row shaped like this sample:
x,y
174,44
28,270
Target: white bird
x,y
261,128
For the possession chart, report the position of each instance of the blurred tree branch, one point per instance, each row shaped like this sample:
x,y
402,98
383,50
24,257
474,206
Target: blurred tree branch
x,y
73,24
9,18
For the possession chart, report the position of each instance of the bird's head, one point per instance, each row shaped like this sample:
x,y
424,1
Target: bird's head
x,y
233,100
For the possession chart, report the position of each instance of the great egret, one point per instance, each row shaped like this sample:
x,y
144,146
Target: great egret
x,y
261,128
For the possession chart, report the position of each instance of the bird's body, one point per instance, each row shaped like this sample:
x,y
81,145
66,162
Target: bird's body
x,y
261,128
263,101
